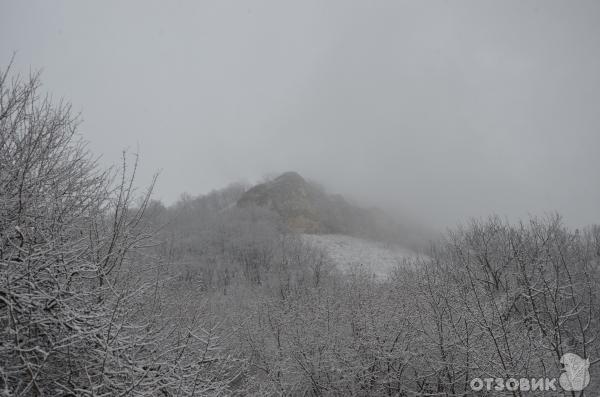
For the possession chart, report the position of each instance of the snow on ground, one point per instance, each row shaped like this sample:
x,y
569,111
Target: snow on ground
x,y
347,252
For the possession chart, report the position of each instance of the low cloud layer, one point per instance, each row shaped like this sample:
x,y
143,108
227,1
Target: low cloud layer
x,y
443,110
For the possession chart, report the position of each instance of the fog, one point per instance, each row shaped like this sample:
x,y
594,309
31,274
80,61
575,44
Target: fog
x,y
444,110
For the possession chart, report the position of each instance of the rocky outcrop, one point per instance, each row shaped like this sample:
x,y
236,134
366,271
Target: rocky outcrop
x,y
307,208
290,196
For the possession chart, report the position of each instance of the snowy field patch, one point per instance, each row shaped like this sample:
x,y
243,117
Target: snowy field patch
x,y
347,252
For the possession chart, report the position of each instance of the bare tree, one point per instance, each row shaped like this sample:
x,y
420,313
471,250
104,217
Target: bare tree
x,y
75,315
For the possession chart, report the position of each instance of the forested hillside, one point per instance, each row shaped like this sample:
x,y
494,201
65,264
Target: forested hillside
x,y
105,292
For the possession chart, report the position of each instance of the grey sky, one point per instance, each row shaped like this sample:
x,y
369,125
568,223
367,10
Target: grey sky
x,y
446,109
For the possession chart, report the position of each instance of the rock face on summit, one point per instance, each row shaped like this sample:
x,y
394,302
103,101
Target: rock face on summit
x,y
294,199
307,208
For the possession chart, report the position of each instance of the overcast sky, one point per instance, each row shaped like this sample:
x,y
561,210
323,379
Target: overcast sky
x,y
446,109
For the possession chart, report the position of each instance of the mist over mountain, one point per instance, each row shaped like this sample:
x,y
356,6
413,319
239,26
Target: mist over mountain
x,y
306,207
394,120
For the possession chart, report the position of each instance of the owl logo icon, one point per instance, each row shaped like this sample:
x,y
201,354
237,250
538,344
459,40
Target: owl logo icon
x,y
576,375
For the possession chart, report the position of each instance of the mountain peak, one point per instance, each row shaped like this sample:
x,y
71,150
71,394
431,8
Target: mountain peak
x,y
291,176
291,197
307,208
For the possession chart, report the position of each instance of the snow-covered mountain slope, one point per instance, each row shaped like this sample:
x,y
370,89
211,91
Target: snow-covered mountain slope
x,y
347,252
